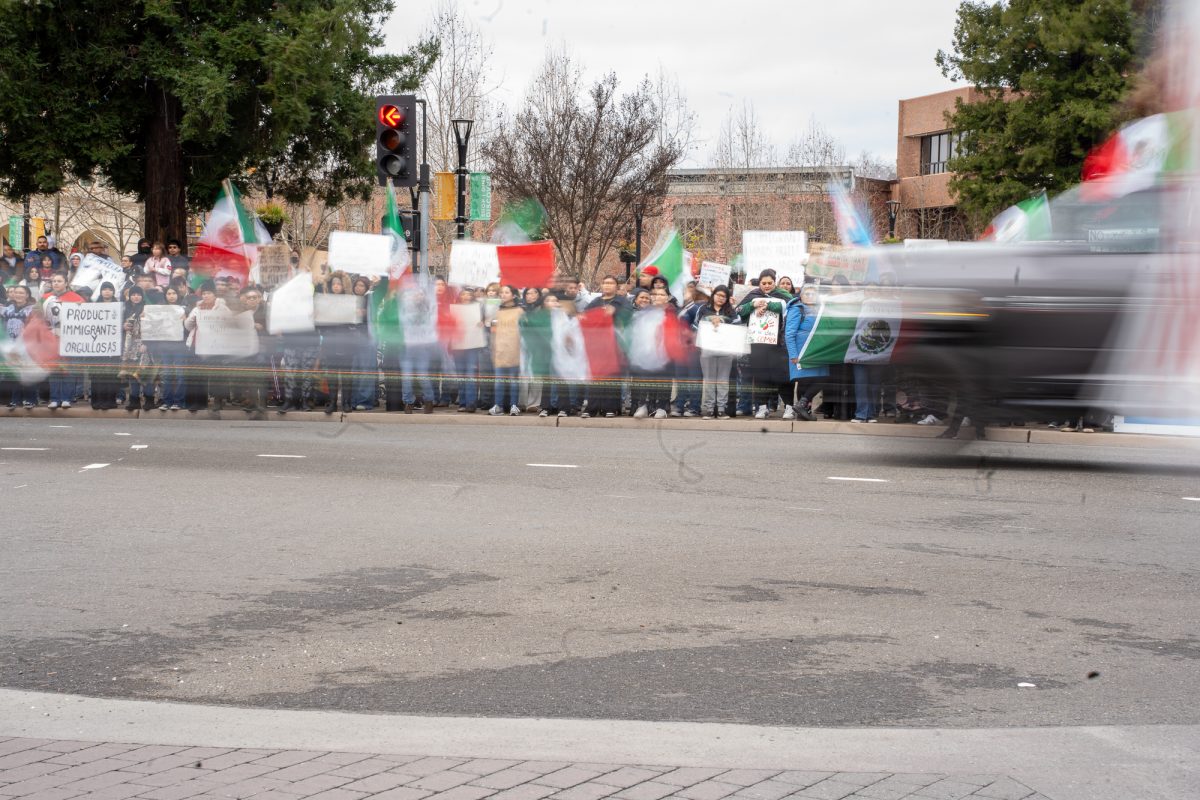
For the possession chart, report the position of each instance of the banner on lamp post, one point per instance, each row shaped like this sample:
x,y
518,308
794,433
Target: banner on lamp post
x,y
445,199
481,197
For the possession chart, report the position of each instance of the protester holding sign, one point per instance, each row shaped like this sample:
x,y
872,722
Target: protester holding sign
x,y
715,365
136,366
205,375
763,310
466,349
15,316
506,352
366,355
169,351
801,317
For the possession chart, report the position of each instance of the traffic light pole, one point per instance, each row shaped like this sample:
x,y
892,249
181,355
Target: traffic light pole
x,y
423,191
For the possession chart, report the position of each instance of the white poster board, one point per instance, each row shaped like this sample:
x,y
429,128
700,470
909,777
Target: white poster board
x,y
95,270
291,306
473,264
162,323
220,332
764,328
90,330
725,338
786,252
468,321
360,253
337,309
713,274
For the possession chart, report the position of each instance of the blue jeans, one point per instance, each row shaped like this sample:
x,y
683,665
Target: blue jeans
x,y
466,371
415,362
62,387
24,393
867,378
171,363
366,376
687,383
506,387
563,388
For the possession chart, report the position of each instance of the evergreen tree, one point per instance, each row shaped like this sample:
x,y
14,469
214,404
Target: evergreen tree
x,y
165,98
1053,74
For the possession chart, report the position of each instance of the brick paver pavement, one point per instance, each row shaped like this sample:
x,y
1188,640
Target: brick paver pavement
x,y
40,769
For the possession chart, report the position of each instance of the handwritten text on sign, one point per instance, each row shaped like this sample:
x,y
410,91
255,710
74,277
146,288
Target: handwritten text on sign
x,y
90,330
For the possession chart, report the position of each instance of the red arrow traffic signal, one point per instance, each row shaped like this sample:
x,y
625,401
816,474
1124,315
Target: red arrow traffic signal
x,y
391,116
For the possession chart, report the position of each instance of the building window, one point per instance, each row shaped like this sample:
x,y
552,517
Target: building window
x,y
936,152
697,225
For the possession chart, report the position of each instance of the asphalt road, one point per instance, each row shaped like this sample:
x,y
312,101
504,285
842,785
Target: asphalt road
x,y
648,574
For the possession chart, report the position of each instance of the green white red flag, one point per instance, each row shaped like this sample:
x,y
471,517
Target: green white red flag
x,y
672,261
230,242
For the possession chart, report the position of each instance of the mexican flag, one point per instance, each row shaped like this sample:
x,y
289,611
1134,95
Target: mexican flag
x,y
230,242
521,265
401,259
600,343
851,229
1027,220
672,261
1137,156
30,357
853,329
655,339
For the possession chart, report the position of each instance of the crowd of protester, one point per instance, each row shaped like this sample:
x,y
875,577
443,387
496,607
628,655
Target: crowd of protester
x,y
509,370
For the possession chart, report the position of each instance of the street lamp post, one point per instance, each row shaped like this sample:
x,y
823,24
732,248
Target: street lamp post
x,y
462,136
639,209
892,205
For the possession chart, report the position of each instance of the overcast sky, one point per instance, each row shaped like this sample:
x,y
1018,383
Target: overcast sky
x,y
846,62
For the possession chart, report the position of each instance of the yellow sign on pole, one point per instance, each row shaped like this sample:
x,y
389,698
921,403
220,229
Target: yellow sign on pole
x,y
445,196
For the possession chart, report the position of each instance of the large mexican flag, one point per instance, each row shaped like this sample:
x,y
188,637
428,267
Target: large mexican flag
x,y
853,329
230,242
672,261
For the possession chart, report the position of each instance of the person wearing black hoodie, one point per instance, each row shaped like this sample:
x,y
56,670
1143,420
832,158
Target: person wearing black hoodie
x,y
763,309
104,374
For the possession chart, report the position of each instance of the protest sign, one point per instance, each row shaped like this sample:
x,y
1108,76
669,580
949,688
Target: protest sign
x,y
337,309
473,264
162,323
95,270
220,332
713,274
828,262
764,327
783,251
468,319
90,330
274,265
315,261
360,253
290,309
725,339
739,293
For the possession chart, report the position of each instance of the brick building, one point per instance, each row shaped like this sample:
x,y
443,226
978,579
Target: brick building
x,y
924,147
712,207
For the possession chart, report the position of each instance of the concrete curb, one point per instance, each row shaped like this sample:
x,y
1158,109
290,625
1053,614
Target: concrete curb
x,y
1145,761
740,424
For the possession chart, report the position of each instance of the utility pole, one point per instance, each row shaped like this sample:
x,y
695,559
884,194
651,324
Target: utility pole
x,y
462,137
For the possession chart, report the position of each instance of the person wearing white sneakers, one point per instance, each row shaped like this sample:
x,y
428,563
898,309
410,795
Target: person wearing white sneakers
x,y
505,328
801,317
764,310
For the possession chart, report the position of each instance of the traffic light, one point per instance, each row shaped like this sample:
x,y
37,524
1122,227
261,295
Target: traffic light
x,y
396,140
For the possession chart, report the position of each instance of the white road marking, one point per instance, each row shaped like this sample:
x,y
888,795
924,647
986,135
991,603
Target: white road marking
x,y
1018,527
621,496
860,480
801,508
1193,499
276,455
60,426
285,476
24,448
555,466
22,486
138,446
122,434
95,466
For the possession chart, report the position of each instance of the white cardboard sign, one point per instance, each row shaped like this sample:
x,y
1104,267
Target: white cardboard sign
x,y
90,330
291,307
473,264
713,274
786,252
336,309
219,332
726,339
95,270
162,323
360,253
468,318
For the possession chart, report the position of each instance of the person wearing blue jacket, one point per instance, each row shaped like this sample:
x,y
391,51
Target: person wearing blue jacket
x,y
798,325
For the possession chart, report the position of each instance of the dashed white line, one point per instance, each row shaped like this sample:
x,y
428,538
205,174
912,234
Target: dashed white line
x,y
24,448
95,466
1018,527
122,434
859,480
138,446
1193,499
801,508
60,426
555,466
278,455
22,486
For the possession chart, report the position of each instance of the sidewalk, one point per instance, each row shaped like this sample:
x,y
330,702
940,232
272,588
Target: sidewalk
x,y
1017,435
71,748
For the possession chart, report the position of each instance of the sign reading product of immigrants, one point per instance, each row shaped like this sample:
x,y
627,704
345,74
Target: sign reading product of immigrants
x,y
90,330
